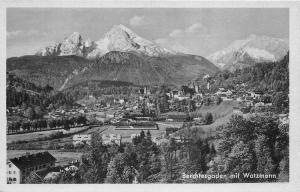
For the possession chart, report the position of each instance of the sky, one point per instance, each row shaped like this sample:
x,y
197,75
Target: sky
x,y
192,30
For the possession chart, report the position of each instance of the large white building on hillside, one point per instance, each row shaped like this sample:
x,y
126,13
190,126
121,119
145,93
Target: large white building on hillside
x,y
20,167
82,139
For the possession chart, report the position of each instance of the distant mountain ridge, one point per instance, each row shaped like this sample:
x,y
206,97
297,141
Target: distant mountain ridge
x,y
147,70
254,49
43,70
62,72
119,38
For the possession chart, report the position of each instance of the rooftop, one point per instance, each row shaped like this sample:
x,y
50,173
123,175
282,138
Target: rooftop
x,y
32,160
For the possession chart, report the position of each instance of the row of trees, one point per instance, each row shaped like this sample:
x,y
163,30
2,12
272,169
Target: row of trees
x,y
41,124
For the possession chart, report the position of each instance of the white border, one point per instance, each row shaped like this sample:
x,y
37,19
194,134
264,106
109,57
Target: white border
x,y
293,185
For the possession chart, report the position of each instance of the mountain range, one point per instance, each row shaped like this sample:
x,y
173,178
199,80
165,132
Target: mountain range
x,y
119,38
247,52
121,55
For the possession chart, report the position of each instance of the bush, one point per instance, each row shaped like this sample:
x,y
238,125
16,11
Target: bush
x,y
56,135
68,146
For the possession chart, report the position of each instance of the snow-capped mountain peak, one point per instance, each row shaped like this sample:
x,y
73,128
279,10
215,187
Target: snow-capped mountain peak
x,y
253,49
72,45
118,38
121,38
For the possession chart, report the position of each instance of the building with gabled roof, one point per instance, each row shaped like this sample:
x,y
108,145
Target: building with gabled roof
x,y
20,167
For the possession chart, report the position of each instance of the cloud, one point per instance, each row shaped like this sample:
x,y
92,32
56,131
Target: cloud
x,y
176,33
12,34
181,40
172,45
22,33
194,29
180,48
137,21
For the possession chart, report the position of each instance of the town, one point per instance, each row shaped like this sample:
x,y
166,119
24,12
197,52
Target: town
x,y
161,114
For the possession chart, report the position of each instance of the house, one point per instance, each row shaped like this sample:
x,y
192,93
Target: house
x,y
239,99
237,111
82,139
179,139
259,104
159,140
20,167
256,94
178,116
180,98
111,139
121,101
223,92
206,76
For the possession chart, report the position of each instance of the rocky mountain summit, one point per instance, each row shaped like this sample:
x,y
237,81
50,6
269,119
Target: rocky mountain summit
x,y
254,49
119,38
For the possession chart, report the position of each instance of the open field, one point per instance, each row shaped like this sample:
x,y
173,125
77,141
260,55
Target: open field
x,y
223,109
62,158
154,133
222,113
40,134
58,142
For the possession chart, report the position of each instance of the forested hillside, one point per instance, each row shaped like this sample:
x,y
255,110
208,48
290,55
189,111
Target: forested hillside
x,y
47,70
271,77
98,88
32,98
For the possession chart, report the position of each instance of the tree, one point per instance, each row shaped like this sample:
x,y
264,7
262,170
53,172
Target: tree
x,y
208,119
29,113
207,101
38,112
241,159
120,170
251,145
25,125
32,178
95,163
148,135
218,100
142,134
81,120
265,162
66,124
212,150
280,102
24,106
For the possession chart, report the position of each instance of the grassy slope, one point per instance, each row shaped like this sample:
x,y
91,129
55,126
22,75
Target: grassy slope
x,y
222,112
223,109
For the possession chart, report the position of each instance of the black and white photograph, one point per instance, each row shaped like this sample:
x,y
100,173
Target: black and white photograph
x,y
147,95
